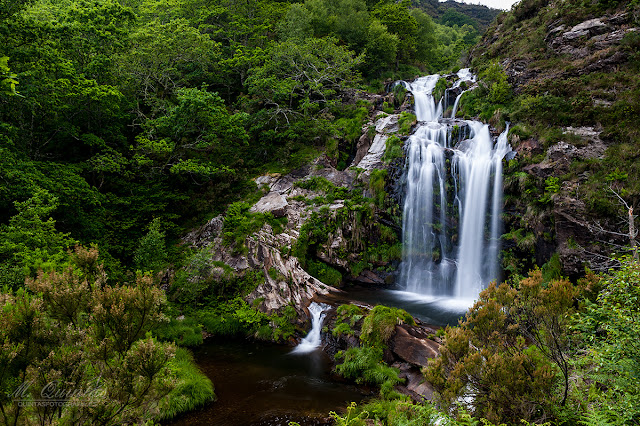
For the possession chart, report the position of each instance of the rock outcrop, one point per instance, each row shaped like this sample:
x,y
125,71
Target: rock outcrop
x,y
286,281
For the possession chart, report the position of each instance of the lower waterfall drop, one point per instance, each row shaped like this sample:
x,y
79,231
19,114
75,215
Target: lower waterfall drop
x,y
313,339
453,201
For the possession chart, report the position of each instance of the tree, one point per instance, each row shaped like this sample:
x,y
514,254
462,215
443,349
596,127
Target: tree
x,y
382,47
610,329
30,240
398,20
426,42
151,254
509,355
302,79
296,24
7,78
88,343
164,58
197,137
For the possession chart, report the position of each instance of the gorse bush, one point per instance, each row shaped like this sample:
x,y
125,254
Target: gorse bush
x,y
511,353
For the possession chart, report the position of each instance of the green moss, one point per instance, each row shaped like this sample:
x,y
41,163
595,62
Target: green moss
x,y
405,122
380,324
441,86
324,273
239,223
377,182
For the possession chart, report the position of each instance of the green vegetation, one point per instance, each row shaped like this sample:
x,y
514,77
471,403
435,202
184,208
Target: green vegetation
x,y
365,364
103,340
193,389
393,149
380,323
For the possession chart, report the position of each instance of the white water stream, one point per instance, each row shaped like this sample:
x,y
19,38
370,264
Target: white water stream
x,y
313,340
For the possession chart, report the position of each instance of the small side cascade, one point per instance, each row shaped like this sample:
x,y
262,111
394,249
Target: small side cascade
x,y
453,202
464,75
313,340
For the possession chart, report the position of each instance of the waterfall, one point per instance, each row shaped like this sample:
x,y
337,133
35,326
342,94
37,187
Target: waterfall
x,y
313,339
453,202
464,75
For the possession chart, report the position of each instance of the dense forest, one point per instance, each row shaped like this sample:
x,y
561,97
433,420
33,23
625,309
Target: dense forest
x,y
125,125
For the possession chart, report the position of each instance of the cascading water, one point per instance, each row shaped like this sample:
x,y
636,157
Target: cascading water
x,y
464,75
453,202
313,340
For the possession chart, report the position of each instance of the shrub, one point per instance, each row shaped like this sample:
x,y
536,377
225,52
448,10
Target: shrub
x,y
510,352
393,149
380,324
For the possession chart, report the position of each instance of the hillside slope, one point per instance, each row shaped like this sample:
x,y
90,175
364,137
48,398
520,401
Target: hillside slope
x,y
565,73
481,15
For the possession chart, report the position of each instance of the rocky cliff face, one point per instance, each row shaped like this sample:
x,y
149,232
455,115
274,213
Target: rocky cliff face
x,y
316,195
573,71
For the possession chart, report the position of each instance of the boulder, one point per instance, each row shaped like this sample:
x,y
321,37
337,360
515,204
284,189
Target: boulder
x,y
418,388
412,345
204,235
273,203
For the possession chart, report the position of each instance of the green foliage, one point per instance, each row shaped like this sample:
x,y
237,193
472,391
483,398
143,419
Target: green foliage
x,y
610,329
406,121
151,255
393,149
236,317
351,418
380,324
300,79
365,365
489,357
552,186
347,317
192,390
71,324
381,48
492,97
184,332
377,182
239,223
30,241
324,273
398,20
8,80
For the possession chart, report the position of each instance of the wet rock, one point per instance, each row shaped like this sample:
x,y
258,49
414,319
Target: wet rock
x,y
373,158
529,148
369,277
561,150
412,345
416,386
364,143
387,124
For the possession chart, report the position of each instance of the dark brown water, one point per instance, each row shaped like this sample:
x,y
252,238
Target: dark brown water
x,y
263,384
